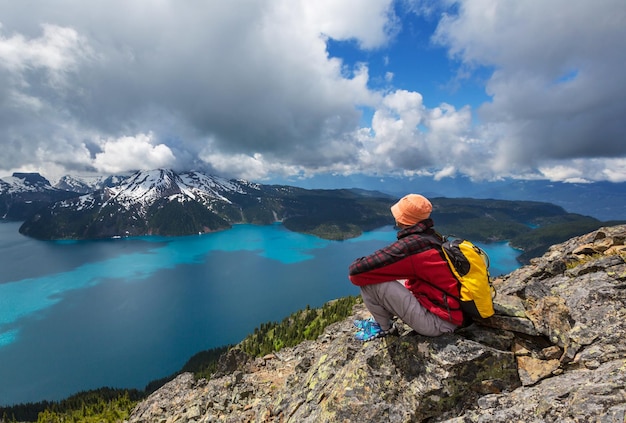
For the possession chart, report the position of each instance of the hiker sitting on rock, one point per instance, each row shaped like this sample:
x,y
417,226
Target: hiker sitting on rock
x,y
408,278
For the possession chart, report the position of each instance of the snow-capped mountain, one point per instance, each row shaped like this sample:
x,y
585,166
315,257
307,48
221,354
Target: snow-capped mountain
x,y
163,202
147,187
24,182
23,193
87,184
140,191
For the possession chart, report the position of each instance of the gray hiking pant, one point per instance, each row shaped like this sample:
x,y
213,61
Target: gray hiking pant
x,y
388,299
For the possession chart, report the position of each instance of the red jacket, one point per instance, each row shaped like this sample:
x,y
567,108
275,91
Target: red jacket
x,y
414,257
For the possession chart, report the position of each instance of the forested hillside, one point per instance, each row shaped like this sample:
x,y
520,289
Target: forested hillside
x,y
114,405
528,225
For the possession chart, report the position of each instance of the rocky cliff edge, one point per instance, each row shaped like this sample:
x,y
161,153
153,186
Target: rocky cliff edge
x,y
554,352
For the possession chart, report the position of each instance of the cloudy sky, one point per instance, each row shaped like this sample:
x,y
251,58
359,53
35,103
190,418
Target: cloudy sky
x,y
295,88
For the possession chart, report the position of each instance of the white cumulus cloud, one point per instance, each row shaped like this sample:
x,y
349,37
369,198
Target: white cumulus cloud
x,y
121,154
249,89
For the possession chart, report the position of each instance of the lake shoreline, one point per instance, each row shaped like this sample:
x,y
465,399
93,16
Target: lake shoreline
x,y
134,310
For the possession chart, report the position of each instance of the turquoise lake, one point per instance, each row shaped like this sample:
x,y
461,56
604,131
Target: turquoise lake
x,y
121,313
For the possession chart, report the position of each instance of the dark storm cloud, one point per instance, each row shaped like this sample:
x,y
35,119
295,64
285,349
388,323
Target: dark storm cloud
x,y
557,89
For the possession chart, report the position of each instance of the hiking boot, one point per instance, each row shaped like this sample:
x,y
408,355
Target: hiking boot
x,y
362,323
373,330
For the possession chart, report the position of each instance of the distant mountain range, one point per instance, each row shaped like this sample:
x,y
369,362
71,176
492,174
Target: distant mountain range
x,y
603,200
163,202
167,203
22,194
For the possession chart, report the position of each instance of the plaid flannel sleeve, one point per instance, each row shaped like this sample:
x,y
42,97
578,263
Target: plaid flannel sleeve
x,y
390,254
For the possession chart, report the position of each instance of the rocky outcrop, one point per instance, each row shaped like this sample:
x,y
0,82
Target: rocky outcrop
x,y
554,352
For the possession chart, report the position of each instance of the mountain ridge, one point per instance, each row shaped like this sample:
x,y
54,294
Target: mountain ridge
x,y
22,194
87,184
167,203
602,200
163,202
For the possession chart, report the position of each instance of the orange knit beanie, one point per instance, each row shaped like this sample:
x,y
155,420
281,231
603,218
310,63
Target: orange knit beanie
x,y
411,209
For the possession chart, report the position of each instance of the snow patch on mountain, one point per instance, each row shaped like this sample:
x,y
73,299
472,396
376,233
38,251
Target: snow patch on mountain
x,y
142,189
146,187
87,184
84,202
213,185
24,182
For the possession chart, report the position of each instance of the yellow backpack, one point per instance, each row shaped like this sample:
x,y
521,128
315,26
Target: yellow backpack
x,y
470,266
